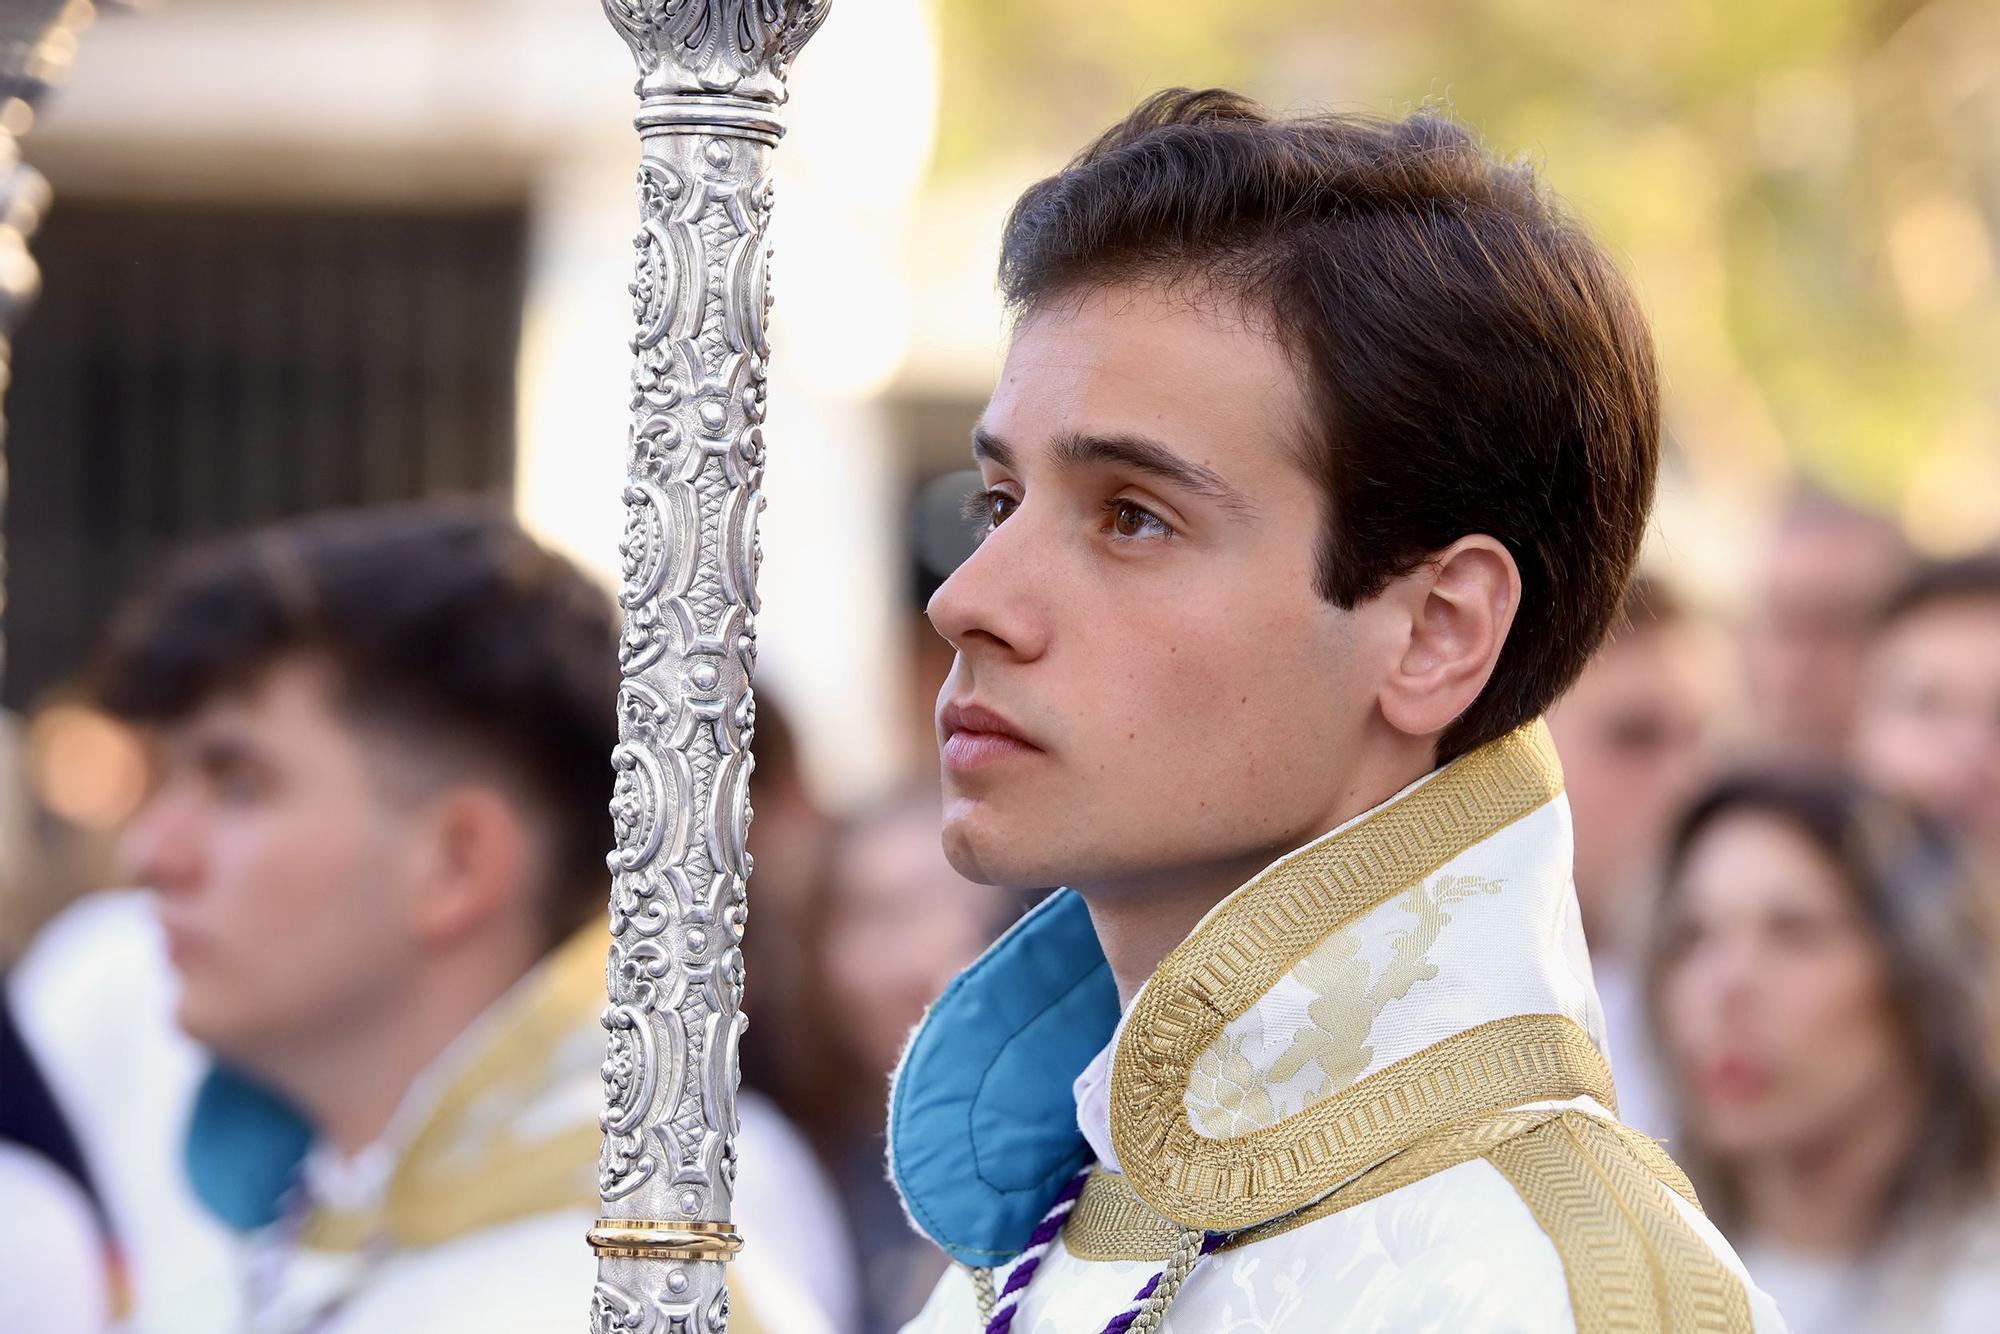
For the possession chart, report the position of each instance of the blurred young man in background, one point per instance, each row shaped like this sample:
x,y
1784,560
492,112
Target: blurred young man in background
x,y
1636,735
1824,573
1319,462
1929,724
377,838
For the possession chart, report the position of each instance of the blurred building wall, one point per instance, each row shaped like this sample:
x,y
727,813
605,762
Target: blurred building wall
x,y
408,103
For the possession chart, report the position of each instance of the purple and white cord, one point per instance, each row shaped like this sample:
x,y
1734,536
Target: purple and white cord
x,y
1001,1321
1030,1259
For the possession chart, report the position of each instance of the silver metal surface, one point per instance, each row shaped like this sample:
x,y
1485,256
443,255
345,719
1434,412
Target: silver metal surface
x,y
710,87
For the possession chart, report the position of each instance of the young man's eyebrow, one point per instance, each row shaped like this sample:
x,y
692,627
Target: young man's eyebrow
x,y
990,448
211,751
1136,452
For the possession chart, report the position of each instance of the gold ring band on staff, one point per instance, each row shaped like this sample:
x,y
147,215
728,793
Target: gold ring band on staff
x,y
646,1239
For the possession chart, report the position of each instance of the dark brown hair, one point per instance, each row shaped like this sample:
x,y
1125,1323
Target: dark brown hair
x,y
1649,603
1477,365
1967,579
1929,904
443,622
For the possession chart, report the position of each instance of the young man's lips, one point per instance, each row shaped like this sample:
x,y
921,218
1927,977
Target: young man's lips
x,y
972,750
975,735
181,943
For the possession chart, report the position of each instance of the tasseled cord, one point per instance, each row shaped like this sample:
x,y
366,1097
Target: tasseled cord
x,y
1148,1311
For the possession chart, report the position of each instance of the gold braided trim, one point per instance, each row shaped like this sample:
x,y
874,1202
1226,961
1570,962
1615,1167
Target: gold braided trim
x,y
1632,1263
1224,1185
471,1165
1447,1149
1654,1155
1249,942
1111,1222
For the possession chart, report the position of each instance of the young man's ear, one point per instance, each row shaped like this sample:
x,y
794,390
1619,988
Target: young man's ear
x,y
476,862
1461,604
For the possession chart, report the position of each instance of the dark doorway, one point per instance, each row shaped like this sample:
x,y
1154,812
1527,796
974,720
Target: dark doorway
x,y
192,370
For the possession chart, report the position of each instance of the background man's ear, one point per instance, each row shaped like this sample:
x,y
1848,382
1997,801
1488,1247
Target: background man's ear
x,y
1461,604
476,863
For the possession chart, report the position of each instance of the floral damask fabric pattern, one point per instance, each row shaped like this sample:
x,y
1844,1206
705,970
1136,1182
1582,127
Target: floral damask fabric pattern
x,y
1455,1253
1250,1078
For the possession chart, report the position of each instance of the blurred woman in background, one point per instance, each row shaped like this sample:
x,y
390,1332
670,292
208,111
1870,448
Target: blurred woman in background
x,y
895,924
1823,983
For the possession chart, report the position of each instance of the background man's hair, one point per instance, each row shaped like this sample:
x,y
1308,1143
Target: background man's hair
x,y
445,621
1934,583
1477,365
1649,603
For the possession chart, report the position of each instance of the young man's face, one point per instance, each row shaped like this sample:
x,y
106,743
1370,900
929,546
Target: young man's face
x,y
1634,734
1806,638
1929,724
1143,615
279,859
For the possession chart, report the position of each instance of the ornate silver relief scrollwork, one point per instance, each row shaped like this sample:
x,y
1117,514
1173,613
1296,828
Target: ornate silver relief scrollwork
x,y
716,46
711,83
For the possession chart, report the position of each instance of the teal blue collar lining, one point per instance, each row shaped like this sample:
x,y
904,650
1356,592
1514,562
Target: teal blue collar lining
x,y
982,1131
982,1119
243,1149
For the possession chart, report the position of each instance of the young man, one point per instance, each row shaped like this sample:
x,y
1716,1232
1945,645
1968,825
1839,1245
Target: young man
x,y
377,838
1929,723
1319,461
1815,590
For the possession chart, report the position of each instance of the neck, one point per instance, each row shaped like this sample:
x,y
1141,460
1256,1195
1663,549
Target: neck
x,y
350,1083
1139,929
1140,920
1828,1196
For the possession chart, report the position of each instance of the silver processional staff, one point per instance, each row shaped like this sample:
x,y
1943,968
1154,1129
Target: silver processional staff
x,y
711,84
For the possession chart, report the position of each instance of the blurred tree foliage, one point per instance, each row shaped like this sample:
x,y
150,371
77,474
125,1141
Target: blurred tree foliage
x,y
1807,191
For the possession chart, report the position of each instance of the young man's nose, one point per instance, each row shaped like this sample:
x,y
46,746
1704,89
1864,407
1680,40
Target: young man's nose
x,y
158,848
991,601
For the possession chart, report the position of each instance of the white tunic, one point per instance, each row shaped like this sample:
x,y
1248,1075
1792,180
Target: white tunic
x,y
95,998
1456,1253
1377,1072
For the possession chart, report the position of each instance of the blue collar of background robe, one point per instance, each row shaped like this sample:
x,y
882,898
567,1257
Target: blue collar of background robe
x,y
243,1150
982,1118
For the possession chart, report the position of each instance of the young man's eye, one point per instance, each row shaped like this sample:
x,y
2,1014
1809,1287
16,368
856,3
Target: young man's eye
x,y
232,781
238,788
1131,519
989,509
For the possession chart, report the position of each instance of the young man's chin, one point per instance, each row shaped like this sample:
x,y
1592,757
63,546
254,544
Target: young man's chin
x,y
216,1023
989,849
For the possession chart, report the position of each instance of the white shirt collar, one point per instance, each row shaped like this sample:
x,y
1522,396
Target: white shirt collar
x,y
1093,1107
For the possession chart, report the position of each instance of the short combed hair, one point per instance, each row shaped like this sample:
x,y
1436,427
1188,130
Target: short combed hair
x,y
1476,363
445,621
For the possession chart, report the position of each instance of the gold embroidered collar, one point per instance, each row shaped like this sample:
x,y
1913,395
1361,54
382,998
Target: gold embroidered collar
x,y
488,1150
1212,1140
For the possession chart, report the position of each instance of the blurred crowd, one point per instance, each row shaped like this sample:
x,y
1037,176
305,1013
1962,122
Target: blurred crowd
x,y
333,1062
